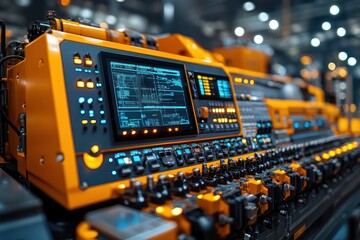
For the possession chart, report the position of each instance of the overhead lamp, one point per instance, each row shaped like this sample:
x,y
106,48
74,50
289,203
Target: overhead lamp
x,y
258,39
120,1
263,16
248,6
352,61
239,31
326,26
341,31
331,66
306,60
334,10
110,19
342,56
273,24
315,42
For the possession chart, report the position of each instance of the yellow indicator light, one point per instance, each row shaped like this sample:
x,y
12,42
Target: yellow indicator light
x,y
252,82
226,120
214,120
93,121
90,84
199,76
84,122
77,60
124,133
65,3
170,129
350,146
88,62
176,129
200,196
317,158
176,211
121,186
332,153
216,197
238,79
80,84
356,144
146,131
338,151
154,130
159,210
246,81
344,149
95,149
325,156
133,132
244,141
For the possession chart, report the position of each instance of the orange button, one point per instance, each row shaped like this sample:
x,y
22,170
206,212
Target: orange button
x,y
88,62
90,84
80,84
77,60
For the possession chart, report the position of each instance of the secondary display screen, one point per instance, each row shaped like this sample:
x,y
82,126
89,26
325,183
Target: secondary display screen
x,y
149,97
213,87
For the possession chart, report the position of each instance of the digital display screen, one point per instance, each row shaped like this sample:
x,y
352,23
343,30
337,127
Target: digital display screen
x,y
213,87
149,98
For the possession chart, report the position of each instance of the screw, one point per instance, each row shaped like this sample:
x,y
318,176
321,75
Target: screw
x,y
59,157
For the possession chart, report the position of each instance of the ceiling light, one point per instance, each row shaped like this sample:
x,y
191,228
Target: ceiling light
x,y
273,24
263,16
258,39
326,26
342,56
351,61
111,19
341,32
120,1
86,13
305,60
315,42
334,10
239,31
331,66
249,6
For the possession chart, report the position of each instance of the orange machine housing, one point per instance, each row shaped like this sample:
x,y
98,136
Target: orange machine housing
x,y
245,58
37,89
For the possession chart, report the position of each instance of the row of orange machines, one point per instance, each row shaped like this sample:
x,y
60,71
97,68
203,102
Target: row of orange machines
x,y
186,146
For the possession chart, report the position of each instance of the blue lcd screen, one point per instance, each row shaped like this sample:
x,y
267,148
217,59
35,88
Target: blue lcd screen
x,y
148,95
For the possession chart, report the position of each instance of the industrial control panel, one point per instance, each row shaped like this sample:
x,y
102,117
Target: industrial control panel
x,y
175,147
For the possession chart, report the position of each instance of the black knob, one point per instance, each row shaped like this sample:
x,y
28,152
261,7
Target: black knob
x,y
196,183
181,186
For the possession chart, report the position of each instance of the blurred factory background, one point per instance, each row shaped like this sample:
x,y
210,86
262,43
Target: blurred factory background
x,y
318,40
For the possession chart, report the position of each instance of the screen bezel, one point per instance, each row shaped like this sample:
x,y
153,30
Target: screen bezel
x,y
187,129
217,78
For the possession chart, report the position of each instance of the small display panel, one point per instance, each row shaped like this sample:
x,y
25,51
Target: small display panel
x,y
149,98
213,87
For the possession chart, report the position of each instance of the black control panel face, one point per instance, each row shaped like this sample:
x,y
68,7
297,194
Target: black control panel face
x,y
121,100
214,104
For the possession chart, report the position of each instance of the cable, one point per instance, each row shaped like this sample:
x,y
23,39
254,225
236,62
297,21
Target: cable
x,y
3,114
11,124
4,59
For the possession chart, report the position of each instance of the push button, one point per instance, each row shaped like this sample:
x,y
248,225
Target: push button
x,y
77,59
